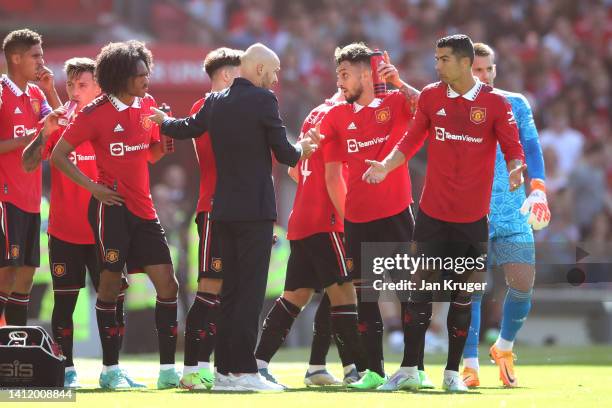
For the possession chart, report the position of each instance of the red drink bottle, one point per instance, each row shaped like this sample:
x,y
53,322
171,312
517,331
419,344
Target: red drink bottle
x,y
380,86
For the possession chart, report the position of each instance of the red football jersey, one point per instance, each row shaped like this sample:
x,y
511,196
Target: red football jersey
x,y
69,201
20,113
463,134
369,132
313,211
206,161
120,136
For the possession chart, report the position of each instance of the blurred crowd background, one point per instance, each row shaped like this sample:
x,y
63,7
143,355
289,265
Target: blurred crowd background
x,y
558,53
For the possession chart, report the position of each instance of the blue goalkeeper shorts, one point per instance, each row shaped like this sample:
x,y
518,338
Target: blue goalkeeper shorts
x,y
510,242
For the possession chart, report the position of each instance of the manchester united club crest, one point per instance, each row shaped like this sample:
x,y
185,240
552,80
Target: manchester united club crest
x,y
383,115
35,106
112,255
216,264
478,115
14,251
145,122
350,265
59,269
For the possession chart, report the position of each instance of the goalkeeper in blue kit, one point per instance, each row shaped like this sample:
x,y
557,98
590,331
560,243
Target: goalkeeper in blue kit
x,y
512,217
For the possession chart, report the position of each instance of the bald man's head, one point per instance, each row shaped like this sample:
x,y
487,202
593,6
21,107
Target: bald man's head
x,y
260,65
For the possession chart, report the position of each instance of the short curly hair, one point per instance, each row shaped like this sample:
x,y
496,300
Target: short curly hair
x,y
116,63
221,57
19,41
353,53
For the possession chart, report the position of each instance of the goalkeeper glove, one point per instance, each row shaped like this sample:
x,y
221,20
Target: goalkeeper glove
x,y
536,206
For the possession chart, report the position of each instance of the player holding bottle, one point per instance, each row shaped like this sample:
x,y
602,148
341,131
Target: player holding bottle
x,y
367,127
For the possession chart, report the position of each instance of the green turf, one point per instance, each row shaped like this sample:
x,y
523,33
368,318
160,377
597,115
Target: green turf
x,y
549,377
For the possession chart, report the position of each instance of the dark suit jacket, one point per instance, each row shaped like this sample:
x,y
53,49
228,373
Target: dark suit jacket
x,y
244,126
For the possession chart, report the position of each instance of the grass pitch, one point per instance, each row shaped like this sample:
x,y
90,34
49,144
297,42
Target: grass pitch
x,y
549,377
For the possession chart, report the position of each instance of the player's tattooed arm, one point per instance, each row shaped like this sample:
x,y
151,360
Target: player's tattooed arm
x,y
411,94
11,144
391,75
32,154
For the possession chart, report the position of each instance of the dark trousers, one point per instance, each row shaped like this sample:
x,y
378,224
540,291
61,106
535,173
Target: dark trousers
x,y
245,259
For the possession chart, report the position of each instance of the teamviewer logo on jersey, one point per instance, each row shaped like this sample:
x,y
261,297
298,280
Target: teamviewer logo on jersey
x,y
120,149
442,135
117,149
19,131
352,145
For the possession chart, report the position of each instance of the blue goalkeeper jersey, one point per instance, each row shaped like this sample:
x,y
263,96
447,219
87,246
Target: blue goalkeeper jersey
x,y
505,205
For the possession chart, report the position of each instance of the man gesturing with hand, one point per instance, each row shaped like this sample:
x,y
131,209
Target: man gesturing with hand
x,y
463,120
245,128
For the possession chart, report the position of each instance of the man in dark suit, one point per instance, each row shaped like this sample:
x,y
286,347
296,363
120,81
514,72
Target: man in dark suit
x,y
244,126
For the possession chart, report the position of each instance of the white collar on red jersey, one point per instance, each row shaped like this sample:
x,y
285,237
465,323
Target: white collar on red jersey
x,y
374,104
13,87
120,106
469,95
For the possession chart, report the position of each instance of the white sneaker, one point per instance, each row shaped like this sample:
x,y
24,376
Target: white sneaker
x,y
223,383
254,382
321,378
402,380
453,383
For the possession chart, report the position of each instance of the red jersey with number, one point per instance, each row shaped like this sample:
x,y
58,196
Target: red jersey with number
x,y
120,136
463,131
19,115
313,211
206,161
360,133
69,201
